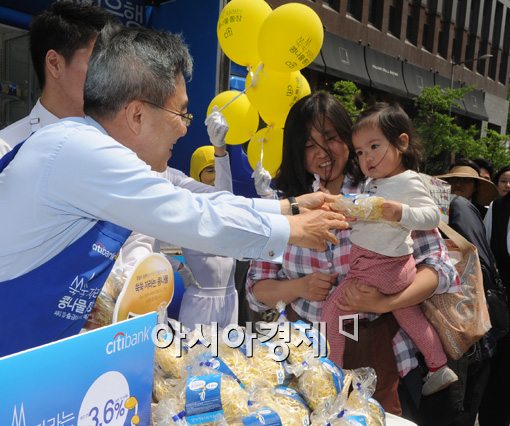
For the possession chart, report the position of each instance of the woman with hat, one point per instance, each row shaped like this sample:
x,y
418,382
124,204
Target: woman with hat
x,y
470,193
466,182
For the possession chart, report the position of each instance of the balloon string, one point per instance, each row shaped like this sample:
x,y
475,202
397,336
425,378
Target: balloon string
x,y
232,100
254,78
255,75
263,141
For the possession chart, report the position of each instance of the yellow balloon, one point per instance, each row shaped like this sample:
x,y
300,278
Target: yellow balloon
x,y
290,38
271,140
242,118
273,93
238,29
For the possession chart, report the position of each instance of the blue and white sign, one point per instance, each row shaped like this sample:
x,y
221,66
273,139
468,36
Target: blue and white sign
x,y
103,377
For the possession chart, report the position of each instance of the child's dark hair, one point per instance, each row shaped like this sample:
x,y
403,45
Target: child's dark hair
x,y
393,121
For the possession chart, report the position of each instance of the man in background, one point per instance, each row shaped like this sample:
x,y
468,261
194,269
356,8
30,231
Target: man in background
x,y
61,41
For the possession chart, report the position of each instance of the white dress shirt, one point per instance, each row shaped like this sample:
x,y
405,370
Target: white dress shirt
x,y
71,174
19,131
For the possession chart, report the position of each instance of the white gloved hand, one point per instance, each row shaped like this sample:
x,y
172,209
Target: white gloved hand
x,y
262,182
217,127
316,184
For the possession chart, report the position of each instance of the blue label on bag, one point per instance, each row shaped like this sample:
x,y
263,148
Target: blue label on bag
x,y
203,399
356,419
282,375
263,416
337,373
222,367
291,393
378,406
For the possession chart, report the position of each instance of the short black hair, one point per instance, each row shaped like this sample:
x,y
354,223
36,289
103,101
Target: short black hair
x,y
484,164
64,27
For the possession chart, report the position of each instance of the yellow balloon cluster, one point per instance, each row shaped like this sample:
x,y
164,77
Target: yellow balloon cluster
x,y
273,93
274,45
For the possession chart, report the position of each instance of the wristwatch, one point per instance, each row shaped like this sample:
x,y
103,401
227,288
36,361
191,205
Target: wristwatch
x,y
294,206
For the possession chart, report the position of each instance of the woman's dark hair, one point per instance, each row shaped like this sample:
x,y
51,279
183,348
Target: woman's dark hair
x,y
309,112
499,173
393,121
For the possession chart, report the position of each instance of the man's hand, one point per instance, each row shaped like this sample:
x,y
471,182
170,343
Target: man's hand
x,y
312,229
217,127
315,200
315,286
391,210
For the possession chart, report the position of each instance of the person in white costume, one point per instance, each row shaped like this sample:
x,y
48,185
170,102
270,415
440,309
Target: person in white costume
x,y
210,295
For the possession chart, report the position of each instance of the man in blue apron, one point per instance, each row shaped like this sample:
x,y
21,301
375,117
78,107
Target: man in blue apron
x,y
66,186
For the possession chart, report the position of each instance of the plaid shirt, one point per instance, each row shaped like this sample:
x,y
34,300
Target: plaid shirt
x,y
429,250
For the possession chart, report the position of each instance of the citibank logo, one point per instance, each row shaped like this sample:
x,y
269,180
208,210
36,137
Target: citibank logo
x,y
123,341
102,250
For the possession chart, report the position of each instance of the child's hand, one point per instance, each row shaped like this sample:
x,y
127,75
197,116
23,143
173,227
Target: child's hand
x,y
315,286
392,211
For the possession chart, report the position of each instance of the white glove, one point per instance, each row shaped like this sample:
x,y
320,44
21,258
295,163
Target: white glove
x,y
316,184
217,127
262,182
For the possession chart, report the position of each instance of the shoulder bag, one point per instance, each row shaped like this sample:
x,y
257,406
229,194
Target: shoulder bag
x,y
461,318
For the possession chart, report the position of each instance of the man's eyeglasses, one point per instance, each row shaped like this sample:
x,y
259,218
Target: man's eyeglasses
x,y
186,117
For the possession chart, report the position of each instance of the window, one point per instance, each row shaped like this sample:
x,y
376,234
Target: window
x,y
355,9
444,33
333,4
503,67
496,37
428,31
413,21
472,31
484,39
395,17
375,13
460,22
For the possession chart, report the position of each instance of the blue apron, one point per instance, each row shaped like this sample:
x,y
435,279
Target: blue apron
x,y
54,300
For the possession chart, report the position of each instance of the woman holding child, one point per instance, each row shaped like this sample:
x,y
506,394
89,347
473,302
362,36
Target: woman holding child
x,y
316,156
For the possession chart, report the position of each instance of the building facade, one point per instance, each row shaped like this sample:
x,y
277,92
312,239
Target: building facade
x,y
397,47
